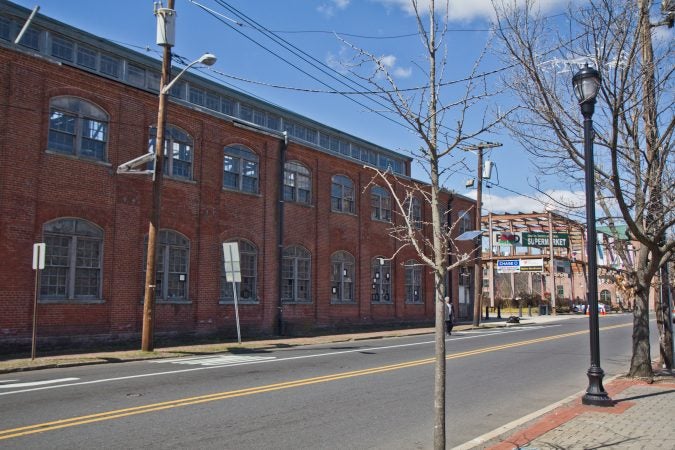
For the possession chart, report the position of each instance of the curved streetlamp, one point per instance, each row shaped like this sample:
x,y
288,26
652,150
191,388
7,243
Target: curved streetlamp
x,y
586,85
207,59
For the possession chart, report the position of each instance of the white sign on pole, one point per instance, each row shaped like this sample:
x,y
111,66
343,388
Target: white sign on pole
x,y
39,255
232,262
233,275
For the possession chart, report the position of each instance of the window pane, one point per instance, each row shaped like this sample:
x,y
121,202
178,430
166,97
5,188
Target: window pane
x,y
110,66
212,101
4,28
62,48
31,39
136,75
197,96
54,277
86,57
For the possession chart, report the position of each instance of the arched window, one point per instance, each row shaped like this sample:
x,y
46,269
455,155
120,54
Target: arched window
x,y
297,183
78,128
382,279
380,201
73,260
247,291
178,151
240,169
605,297
342,194
413,282
173,255
296,272
342,277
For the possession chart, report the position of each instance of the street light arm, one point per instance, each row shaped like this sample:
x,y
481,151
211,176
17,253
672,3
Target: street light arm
x,y
208,59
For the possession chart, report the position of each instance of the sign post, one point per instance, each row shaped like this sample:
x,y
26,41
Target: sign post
x,y
233,275
38,264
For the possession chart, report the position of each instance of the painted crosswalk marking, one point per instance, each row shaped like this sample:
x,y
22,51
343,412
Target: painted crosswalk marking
x,y
215,360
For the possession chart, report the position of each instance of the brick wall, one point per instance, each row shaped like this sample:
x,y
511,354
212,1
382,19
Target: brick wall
x,y
37,186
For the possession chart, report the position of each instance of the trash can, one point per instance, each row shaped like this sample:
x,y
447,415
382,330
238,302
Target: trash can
x,y
543,310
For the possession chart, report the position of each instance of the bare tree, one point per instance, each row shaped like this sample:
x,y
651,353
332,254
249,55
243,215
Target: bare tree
x,y
427,112
633,124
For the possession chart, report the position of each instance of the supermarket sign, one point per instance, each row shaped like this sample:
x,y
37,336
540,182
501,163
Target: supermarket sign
x,y
520,265
541,240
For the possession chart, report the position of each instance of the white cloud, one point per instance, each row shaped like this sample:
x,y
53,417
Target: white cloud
x,y
401,72
328,9
464,10
389,61
532,203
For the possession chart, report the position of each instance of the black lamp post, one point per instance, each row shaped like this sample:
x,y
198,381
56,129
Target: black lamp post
x,y
586,84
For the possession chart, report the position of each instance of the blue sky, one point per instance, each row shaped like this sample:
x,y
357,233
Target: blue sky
x,y
383,27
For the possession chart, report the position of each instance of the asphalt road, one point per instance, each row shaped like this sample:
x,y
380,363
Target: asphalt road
x,y
375,394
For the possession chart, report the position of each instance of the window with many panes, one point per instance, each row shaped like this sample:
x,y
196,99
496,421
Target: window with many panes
x,y
464,221
240,169
382,280
86,57
173,254
110,65
295,274
4,28
31,38
73,260
178,152
342,277
605,297
77,127
342,194
62,48
246,290
297,183
380,202
413,282
136,75
413,209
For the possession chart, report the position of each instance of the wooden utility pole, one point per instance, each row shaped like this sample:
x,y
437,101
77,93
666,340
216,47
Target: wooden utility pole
x,y
147,344
478,268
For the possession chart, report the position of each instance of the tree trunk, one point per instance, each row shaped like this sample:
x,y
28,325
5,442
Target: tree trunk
x,y
641,362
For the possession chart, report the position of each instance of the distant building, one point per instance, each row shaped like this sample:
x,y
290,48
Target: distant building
x,y
520,260
74,106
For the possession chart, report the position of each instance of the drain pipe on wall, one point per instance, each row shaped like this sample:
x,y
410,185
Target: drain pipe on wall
x,y
280,234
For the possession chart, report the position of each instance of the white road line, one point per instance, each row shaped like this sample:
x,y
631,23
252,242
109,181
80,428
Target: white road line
x,y
34,383
195,369
217,360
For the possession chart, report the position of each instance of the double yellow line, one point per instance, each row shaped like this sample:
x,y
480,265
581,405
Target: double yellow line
x,y
118,413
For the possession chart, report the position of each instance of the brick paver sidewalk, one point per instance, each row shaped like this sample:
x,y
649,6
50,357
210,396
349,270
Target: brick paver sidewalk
x,y
642,418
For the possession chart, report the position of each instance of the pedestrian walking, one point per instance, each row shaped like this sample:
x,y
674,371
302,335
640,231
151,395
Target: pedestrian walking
x,y
449,316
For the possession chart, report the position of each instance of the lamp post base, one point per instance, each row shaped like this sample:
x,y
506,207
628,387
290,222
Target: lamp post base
x,y
595,393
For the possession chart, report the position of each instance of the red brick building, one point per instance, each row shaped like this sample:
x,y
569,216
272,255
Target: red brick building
x,y
74,107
